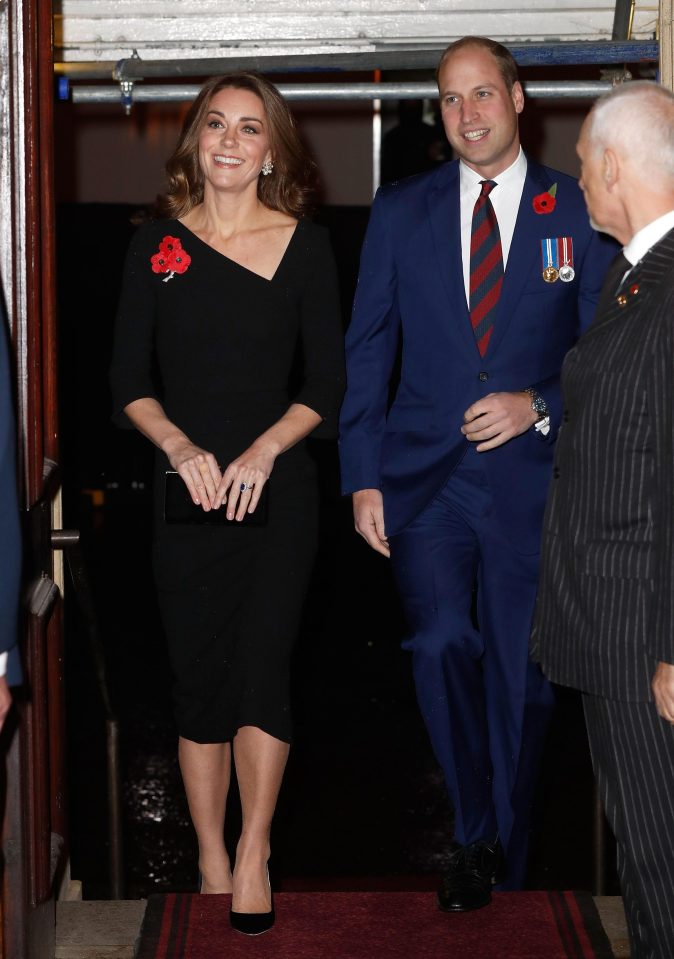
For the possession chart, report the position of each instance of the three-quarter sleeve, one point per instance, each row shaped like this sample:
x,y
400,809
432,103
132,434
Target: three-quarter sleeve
x,y
322,334
132,375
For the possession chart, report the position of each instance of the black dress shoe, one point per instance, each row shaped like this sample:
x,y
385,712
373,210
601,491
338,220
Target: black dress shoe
x,y
254,923
471,873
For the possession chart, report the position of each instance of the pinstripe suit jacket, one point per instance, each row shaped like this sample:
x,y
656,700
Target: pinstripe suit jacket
x,y
605,608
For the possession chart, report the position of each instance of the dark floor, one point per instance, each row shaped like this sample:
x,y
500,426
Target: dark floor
x,y
362,801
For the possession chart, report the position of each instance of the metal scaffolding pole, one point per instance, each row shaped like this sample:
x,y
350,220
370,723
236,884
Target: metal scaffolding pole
x,y
126,93
622,19
666,31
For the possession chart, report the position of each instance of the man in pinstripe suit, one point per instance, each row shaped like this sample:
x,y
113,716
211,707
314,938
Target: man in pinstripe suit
x,y
604,620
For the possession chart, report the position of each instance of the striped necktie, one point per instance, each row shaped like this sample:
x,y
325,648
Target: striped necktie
x,y
486,267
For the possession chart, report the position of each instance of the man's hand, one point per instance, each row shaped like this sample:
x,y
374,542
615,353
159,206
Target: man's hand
x,y
497,418
5,700
368,515
663,690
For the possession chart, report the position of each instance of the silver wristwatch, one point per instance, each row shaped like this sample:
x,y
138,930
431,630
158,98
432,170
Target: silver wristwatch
x,y
539,406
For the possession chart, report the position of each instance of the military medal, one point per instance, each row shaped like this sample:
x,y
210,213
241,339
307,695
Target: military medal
x,y
566,270
550,260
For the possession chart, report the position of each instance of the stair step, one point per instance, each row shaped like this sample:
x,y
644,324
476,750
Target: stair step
x,y
98,929
109,929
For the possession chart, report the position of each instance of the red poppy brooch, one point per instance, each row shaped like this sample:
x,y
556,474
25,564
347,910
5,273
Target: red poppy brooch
x,y
171,258
545,202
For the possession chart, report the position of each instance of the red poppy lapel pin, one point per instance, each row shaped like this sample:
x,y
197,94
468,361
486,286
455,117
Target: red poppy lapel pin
x,y
171,258
545,202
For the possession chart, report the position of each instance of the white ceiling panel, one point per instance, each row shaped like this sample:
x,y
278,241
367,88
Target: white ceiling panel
x,y
98,30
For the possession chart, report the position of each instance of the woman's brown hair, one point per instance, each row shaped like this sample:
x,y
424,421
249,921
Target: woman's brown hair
x,y
289,188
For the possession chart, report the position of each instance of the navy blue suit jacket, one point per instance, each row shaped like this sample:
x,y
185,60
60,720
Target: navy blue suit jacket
x,y
10,535
411,286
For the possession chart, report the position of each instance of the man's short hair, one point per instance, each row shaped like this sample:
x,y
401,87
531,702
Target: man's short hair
x,y
636,118
504,58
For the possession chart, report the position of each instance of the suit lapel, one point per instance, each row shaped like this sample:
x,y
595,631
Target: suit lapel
x,y
444,213
608,307
658,260
645,274
524,252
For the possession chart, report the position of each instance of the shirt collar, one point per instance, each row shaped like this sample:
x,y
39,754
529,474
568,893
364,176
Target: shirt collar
x,y
647,237
511,176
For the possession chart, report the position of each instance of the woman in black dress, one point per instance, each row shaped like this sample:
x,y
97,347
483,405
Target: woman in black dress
x,y
220,301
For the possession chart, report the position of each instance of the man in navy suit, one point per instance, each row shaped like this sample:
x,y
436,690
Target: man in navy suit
x,y
10,537
449,478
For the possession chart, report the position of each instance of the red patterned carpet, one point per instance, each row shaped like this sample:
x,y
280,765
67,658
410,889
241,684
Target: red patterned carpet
x,y
378,925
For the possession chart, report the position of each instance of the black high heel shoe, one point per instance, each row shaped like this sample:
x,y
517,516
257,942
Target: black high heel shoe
x,y
254,923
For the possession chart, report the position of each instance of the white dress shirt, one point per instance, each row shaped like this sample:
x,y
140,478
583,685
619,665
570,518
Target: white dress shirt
x,y
3,663
647,237
505,198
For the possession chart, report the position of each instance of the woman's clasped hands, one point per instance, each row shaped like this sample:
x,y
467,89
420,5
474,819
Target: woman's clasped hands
x,y
238,489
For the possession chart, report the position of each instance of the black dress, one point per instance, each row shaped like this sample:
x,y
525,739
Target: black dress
x,y
219,346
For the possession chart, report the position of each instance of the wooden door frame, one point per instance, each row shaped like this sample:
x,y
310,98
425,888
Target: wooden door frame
x,y
34,828
34,831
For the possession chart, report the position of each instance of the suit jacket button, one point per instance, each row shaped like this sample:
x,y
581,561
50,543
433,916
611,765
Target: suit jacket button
x,y
483,377
555,472
566,416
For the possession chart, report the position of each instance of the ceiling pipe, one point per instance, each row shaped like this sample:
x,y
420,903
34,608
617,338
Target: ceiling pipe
x,y
127,93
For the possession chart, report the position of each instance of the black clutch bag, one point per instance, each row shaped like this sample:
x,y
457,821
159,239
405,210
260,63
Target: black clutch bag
x,y
179,508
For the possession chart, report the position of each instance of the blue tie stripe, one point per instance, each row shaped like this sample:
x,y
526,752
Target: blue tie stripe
x,y
478,259
487,283
483,326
